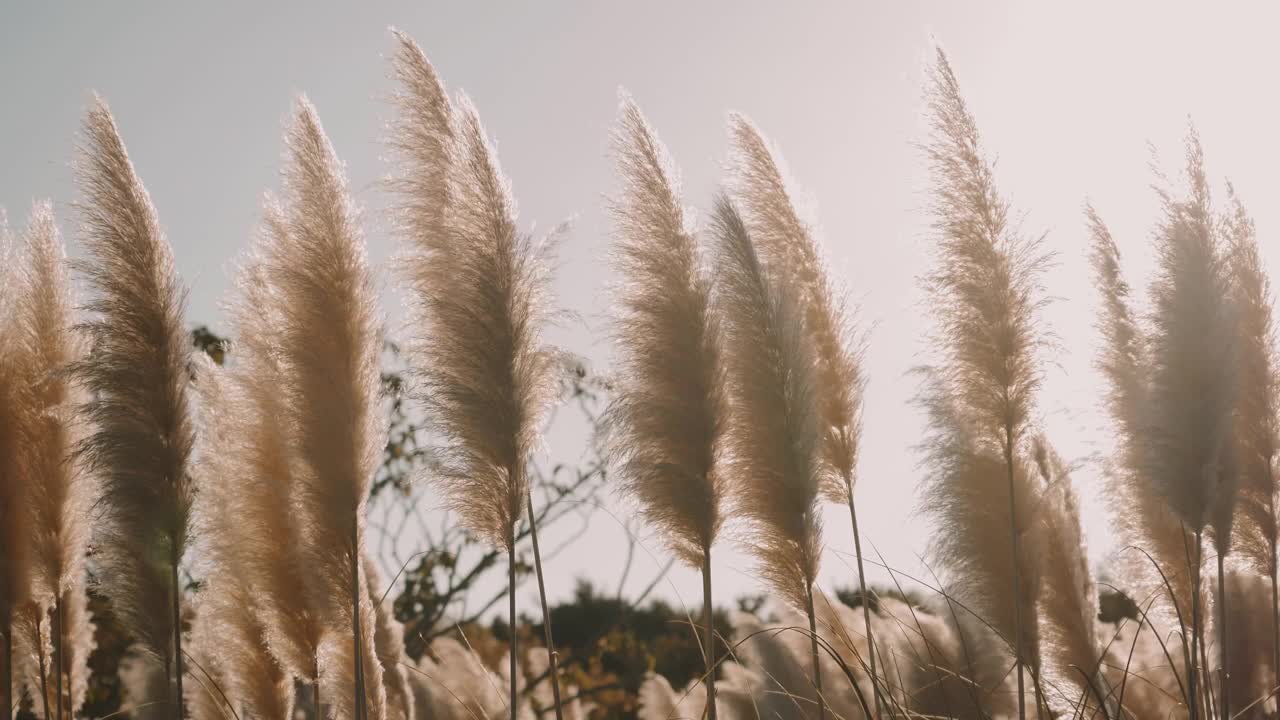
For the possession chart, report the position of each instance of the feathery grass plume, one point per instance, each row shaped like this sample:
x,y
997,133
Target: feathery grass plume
x,y
421,141
388,640
664,425
230,629
328,337
985,294
58,489
965,492
15,583
1256,423
1067,607
263,489
477,288
1140,513
135,376
788,243
773,437
1187,430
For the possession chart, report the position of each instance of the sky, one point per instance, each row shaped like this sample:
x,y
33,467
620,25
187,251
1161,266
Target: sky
x,y
1075,100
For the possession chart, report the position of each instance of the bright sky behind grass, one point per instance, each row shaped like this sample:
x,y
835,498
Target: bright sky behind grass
x,y
1067,95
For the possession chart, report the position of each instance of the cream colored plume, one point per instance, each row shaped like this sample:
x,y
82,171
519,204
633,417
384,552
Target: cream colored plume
x,y
135,377
1139,512
665,424
1067,608
772,440
789,245
985,295
230,637
1187,429
1255,421
59,491
477,295
328,339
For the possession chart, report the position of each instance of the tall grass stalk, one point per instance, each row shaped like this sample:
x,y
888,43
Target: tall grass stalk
x,y
478,289
1188,448
664,427
985,294
1255,417
788,243
329,339
772,442
140,440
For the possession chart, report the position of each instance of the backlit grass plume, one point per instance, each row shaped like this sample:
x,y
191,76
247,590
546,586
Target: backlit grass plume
x,y
984,294
135,376
1067,607
329,342
1159,543
230,629
58,490
669,411
773,440
388,641
1187,430
788,243
1255,409
965,471
15,586
477,288
266,545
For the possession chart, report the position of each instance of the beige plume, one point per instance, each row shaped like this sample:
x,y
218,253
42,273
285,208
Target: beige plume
x,y
328,339
985,295
135,375
664,427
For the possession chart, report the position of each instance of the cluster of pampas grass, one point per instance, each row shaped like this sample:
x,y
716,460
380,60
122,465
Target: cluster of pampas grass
x,y
737,410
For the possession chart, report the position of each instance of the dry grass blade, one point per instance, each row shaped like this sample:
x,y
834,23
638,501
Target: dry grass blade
x,y
135,375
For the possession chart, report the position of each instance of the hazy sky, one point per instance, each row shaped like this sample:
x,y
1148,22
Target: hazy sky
x,y
1068,95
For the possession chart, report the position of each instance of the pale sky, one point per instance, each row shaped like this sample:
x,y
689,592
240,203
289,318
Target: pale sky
x,y
1067,95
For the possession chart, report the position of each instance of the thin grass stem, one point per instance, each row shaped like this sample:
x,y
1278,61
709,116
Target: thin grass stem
x,y
708,634
546,616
